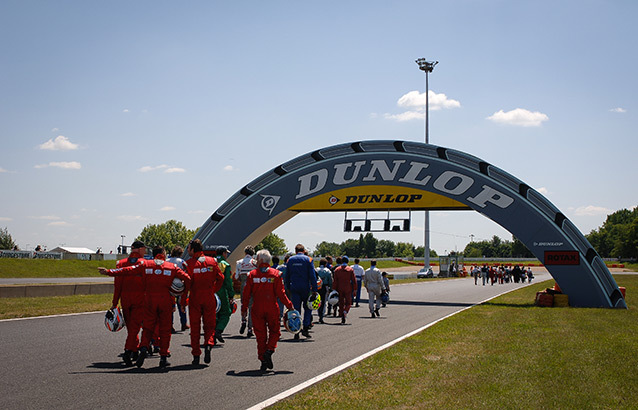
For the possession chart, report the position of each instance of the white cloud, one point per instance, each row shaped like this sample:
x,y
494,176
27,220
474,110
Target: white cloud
x,y
543,190
591,210
63,165
3,170
127,194
229,168
415,99
167,208
55,129
46,217
5,219
519,117
58,223
416,102
618,109
60,143
149,168
131,218
406,116
167,169
125,110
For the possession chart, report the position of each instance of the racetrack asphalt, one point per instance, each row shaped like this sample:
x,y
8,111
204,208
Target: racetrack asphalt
x,y
72,361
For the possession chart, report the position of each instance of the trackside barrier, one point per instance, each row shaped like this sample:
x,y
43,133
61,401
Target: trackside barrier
x,y
70,289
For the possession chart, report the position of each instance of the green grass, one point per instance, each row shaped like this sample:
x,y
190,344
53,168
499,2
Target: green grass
x,y
42,268
506,353
42,306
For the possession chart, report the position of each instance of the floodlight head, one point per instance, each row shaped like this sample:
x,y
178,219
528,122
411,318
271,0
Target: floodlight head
x,y
425,65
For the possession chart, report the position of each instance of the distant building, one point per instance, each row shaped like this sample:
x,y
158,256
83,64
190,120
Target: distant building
x,y
69,253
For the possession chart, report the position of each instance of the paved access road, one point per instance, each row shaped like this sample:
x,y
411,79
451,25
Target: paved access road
x,y
72,361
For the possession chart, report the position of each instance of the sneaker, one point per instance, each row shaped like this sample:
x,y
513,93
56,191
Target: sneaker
x,y
263,367
306,333
357,305
250,333
343,320
127,358
376,311
195,361
268,358
140,360
242,329
321,321
163,362
372,315
184,327
218,336
173,331
296,336
207,350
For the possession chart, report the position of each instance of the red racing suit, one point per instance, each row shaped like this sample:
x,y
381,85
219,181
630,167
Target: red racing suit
x,y
345,283
206,280
157,277
130,291
264,288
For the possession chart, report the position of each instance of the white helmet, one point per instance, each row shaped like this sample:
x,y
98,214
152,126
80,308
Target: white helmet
x,y
333,298
218,303
177,287
292,321
114,319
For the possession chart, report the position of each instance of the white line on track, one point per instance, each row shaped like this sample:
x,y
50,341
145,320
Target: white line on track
x,y
344,366
50,316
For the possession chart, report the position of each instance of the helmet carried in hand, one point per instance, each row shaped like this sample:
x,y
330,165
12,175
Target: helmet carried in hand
x,y
233,306
177,287
292,321
218,303
114,319
385,297
333,298
314,301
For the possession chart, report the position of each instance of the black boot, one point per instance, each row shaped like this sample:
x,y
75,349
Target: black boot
x,y
140,360
306,332
163,362
195,361
218,336
207,350
268,358
127,358
135,355
264,366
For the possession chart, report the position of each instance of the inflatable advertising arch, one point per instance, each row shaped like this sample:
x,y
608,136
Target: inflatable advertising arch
x,y
403,175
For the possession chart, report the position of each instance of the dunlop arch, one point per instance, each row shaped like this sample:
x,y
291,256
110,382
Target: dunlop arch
x,y
369,175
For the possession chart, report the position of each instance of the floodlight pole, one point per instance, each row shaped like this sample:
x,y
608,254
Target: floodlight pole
x,y
427,67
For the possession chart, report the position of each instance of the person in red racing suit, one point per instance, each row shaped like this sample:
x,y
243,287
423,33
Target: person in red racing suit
x,y
157,277
206,280
345,283
264,285
130,291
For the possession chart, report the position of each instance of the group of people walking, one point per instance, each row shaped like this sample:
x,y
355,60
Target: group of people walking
x,y
149,291
501,274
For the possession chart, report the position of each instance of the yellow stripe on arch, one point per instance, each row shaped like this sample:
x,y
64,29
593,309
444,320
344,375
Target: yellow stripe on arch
x,y
382,197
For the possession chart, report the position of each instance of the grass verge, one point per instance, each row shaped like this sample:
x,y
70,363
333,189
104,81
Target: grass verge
x,y
42,268
506,353
28,307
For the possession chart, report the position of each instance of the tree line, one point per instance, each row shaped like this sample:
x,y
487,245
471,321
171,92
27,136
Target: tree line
x,y
618,237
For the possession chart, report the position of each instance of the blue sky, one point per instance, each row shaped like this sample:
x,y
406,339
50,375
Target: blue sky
x,y
116,115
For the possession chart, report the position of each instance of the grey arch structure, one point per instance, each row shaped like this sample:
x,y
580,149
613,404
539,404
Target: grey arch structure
x,y
324,175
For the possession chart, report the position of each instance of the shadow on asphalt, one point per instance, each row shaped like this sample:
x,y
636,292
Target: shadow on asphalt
x,y
422,303
516,305
257,373
119,367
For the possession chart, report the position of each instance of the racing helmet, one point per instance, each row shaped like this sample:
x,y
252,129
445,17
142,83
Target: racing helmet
x,y
385,297
292,321
114,319
218,303
333,298
319,282
233,306
314,301
177,287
